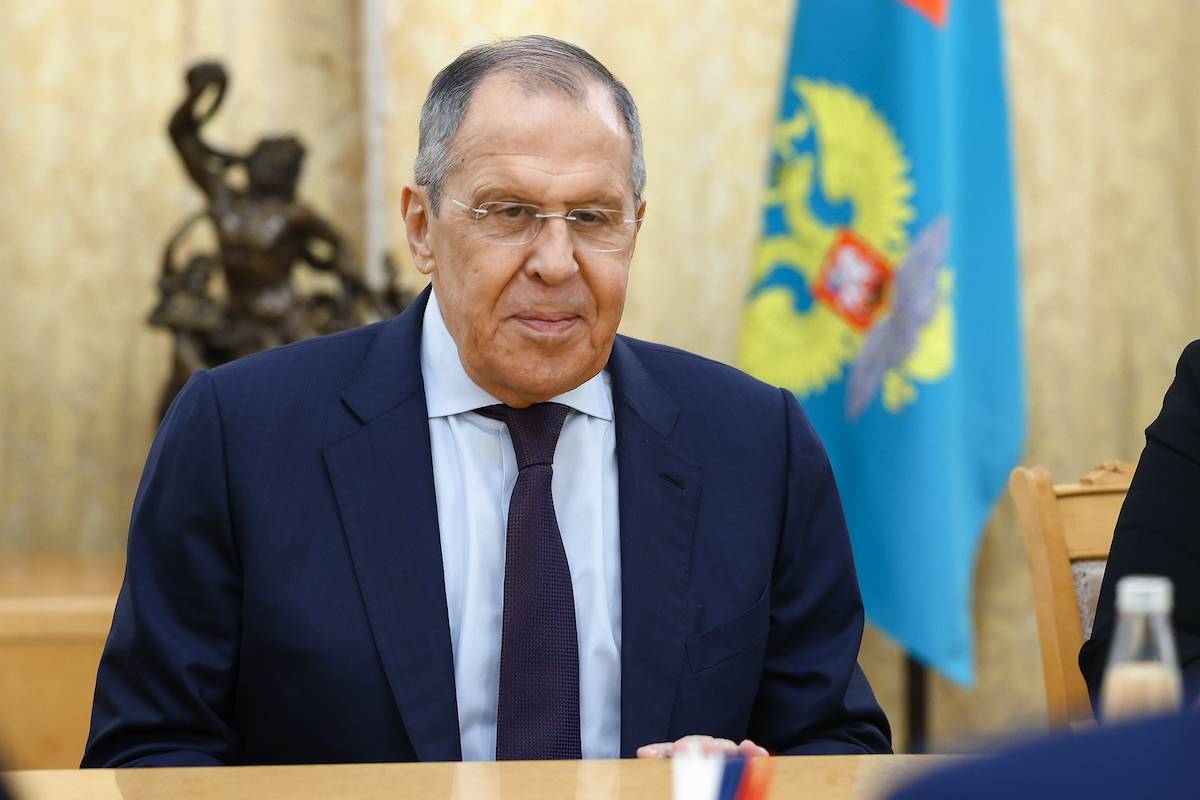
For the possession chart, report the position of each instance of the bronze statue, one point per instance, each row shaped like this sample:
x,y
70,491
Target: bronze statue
x,y
263,232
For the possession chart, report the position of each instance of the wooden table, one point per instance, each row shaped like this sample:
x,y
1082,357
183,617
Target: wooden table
x,y
808,777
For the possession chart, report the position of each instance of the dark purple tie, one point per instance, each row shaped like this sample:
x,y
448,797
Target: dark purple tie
x,y
538,711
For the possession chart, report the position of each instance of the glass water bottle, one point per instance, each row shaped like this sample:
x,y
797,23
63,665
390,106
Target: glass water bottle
x,y
1142,677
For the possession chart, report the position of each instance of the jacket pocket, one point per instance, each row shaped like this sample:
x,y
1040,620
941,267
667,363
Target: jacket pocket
x,y
730,638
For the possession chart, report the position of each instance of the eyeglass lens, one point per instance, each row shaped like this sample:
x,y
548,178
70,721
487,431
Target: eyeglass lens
x,y
519,223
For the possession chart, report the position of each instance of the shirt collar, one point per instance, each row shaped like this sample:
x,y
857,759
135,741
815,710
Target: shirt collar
x,y
449,390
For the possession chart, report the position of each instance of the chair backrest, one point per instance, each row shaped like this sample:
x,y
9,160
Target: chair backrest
x,y
1068,529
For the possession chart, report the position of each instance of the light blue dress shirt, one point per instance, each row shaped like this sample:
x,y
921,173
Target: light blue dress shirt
x,y
474,470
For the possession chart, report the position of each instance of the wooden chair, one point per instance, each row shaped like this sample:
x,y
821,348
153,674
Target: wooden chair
x,y
1068,529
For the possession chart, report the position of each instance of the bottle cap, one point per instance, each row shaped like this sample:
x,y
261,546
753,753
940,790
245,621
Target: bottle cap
x,y
1145,594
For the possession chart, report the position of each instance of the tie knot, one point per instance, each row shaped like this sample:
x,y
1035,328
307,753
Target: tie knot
x,y
534,430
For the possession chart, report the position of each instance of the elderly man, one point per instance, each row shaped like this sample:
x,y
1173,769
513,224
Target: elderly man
x,y
489,527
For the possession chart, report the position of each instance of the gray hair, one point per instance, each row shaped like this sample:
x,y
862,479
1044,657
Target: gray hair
x,y
538,62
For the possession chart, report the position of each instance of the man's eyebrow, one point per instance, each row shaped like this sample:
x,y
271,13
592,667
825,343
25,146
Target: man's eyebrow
x,y
503,193
600,199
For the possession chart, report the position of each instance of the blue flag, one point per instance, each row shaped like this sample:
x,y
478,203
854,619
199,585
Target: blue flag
x,y
885,293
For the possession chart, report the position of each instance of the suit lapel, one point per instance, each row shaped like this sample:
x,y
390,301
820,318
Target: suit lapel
x,y
659,490
382,476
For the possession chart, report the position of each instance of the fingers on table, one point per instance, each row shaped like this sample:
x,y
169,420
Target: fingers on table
x,y
709,745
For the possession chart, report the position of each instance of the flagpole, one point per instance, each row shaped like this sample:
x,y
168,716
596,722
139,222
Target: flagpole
x,y
916,680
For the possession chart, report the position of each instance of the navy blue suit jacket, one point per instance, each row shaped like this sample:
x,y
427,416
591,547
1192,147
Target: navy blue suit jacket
x,y
1151,759
284,599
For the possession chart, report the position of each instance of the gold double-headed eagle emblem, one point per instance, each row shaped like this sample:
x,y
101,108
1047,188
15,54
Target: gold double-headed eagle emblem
x,y
876,303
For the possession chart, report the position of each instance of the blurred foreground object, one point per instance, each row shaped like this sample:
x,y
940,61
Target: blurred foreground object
x,y
1067,529
1154,758
244,297
697,774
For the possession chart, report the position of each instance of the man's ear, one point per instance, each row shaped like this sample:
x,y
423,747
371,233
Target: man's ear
x,y
639,215
414,205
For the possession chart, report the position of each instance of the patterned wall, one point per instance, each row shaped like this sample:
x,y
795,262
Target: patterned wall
x,y
1106,125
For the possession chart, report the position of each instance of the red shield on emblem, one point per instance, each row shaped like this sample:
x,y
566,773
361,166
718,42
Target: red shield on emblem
x,y
853,280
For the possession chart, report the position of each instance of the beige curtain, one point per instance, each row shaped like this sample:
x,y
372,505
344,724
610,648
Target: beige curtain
x,y
1105,122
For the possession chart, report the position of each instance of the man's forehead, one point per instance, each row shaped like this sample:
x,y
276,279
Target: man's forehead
x,y
539,142
508,109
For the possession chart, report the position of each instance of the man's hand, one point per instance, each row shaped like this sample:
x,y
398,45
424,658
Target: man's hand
x,y
706,744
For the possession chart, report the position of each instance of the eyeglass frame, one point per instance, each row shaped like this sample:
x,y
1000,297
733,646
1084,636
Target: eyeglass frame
x,y
481,213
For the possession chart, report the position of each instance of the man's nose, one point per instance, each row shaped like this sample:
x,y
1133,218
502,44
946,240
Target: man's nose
x,y
552,252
